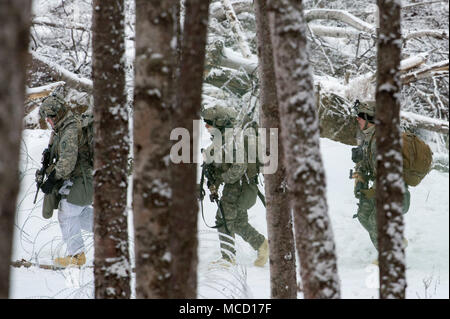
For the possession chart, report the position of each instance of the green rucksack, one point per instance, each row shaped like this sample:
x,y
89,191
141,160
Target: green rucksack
x,y
417,158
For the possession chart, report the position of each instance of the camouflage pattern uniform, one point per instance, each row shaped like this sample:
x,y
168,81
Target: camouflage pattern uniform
x,y
239,192
365,173
72,192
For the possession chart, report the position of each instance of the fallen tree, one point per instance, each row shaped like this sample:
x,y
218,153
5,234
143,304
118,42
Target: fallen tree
x,y
337,121
61,74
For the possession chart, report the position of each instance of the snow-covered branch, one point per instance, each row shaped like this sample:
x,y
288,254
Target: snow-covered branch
x,y
411,5
217,55
413,61
340,15
438,34
59,73
217,11
424,122
237,29
429,71
42,91
54,24
335,32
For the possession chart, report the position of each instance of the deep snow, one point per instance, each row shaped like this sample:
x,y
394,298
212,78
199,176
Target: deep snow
x,y
427,230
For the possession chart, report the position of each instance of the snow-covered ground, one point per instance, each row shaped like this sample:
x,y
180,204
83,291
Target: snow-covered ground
x,y
427,230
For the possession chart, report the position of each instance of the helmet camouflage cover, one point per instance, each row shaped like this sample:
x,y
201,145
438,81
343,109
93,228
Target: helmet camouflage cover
x,y
52,106
365,110
219,116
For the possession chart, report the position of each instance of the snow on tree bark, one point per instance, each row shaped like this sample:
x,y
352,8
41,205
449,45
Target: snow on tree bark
x,y
14,32
283,279
389,179
184,175
153,99
300,130
112,270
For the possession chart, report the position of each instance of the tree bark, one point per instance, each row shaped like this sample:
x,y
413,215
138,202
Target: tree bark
x,y
14,32
300,130
283,279
112,259
153,106
184,175
389,179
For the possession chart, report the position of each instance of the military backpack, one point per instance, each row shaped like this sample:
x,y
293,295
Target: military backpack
x,y
253,169
417,158
85,124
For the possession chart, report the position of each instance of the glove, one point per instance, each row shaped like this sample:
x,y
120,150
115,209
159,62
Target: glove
x,y
359,183
213,196
358,178
39,177
45,157
48,185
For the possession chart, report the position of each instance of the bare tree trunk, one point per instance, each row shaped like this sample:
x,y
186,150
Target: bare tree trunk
x,y
283,279
389,179
14,32
112,259
153,107
184,175
300,131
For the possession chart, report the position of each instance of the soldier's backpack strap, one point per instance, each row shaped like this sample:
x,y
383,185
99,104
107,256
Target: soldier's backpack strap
x,y
261,196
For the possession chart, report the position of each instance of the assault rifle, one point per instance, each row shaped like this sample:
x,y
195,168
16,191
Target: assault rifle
x,y
45,161
208,172
357,157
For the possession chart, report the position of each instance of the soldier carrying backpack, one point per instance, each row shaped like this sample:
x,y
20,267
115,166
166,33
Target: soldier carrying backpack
x,y
68,165
417,158
240,190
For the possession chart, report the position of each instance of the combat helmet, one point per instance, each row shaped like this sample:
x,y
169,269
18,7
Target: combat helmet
x,y
365,110
219,116
54,107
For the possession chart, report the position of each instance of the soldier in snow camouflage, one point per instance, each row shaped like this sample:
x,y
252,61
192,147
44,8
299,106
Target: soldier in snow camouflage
x,y
239,191
68,186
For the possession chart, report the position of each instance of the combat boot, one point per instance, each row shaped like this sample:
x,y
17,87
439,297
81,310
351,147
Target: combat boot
x,y
75,260
405,243
263,254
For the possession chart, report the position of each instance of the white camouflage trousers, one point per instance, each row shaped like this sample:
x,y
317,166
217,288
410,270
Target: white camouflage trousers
x,y
72,219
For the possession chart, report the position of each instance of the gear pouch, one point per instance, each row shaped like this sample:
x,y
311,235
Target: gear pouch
x,y
249,193
51,202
